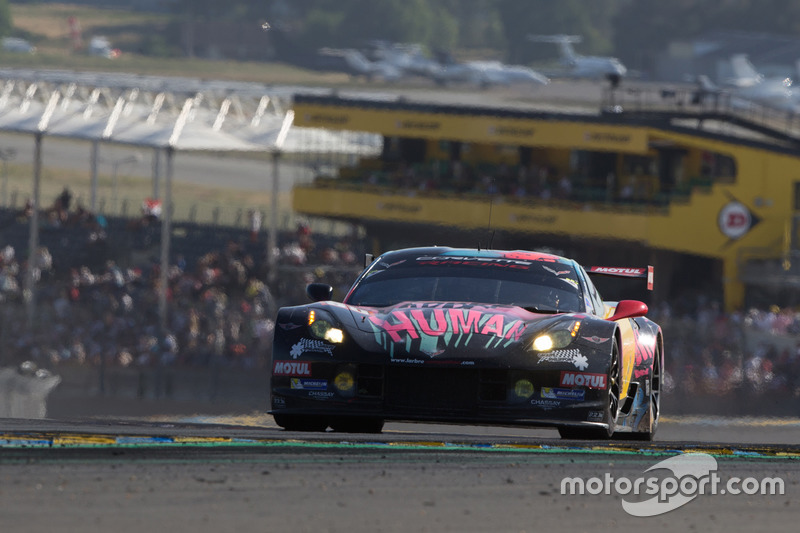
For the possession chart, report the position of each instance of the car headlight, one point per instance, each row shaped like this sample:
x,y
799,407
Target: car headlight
x,y
557,337
323,329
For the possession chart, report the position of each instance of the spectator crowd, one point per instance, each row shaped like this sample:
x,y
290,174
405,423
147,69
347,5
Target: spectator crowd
x,y
221,311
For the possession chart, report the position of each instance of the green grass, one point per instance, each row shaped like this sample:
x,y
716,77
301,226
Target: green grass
x,y
45,25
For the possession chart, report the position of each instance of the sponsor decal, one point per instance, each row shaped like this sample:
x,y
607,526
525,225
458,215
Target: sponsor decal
x,y
291,368
278,401
320,118
310,345
431,329
546,404
573,356
416,125
563,394
556,272
390,265
735,220
308,384
511,131
595,416
645,352
606,137
409,360
595,339
320,394
467,363
619,271
583,379
497,262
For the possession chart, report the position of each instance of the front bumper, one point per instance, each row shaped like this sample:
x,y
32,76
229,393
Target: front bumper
x,y
449,392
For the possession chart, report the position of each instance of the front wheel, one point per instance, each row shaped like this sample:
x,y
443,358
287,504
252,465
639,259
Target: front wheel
x,y
611,409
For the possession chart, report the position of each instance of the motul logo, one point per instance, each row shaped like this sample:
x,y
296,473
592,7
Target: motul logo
x,y
617,270
581,379
291,368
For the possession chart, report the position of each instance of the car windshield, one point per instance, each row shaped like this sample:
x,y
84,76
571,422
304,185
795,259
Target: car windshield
x,y
533,285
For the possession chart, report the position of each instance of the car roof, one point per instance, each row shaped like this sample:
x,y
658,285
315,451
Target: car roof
x,y
407,253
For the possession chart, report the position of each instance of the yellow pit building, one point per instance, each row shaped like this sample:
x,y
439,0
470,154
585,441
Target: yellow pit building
x,y
703,187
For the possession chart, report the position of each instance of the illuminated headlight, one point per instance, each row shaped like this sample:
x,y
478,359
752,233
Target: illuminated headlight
x,y
557,338
322,329
345,383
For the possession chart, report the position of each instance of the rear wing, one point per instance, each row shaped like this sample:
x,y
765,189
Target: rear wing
x,y
621,272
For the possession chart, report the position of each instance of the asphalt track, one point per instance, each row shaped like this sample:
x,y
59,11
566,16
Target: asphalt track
x,y
243,473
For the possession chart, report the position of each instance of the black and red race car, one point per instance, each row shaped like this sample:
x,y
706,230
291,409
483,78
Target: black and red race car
x,y
469,336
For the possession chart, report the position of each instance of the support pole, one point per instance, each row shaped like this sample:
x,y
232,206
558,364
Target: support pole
x,y
272,237
33,238
156,173
166,233
94,162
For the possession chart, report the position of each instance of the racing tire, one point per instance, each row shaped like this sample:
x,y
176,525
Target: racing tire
x,y
348,424
654,405
611,410
301,422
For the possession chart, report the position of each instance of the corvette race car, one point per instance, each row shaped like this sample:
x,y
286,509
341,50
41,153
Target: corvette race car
x,y
469,336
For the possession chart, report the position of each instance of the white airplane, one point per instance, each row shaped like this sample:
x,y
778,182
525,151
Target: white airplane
x,y
359,65
579,66
411,61
408,58
747,86
15,44
487,74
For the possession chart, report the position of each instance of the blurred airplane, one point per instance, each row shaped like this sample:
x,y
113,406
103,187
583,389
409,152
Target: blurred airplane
x,y
408,58
15,44
358,65
579,66
485,74
747,86
394,61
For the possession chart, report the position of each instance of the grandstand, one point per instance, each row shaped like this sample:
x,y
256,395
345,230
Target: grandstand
x,y
687,180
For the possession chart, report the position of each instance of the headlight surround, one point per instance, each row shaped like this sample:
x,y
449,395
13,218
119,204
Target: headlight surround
x,y
557,337
321,328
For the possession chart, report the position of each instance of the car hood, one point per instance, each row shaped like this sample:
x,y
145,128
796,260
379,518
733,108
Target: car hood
x,y
435,328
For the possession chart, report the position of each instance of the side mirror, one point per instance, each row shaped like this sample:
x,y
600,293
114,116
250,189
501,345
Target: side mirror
x,y
629,309
319,292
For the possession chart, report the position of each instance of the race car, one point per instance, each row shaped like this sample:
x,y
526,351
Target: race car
x,y
438,334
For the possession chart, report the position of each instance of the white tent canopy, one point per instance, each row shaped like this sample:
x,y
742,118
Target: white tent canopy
x,y
169,114
178,113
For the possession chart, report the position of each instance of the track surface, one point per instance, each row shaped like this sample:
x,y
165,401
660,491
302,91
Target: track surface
x,y
223,474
